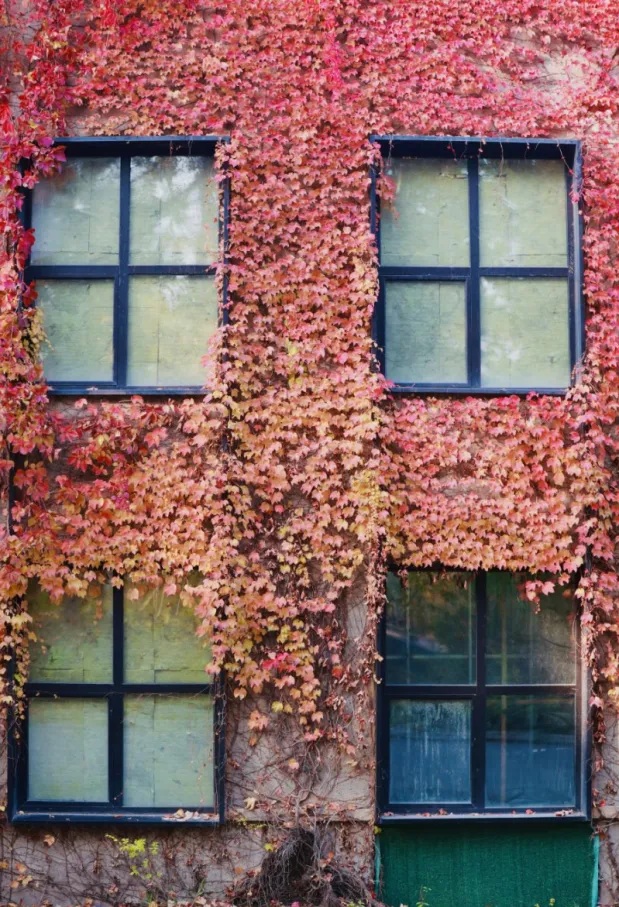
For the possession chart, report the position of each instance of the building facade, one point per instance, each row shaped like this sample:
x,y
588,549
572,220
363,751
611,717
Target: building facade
x,y
309,394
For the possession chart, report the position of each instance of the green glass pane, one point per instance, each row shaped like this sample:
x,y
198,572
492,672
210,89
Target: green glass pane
x,y
425,332
429,752
68,750
168,746
161,645
74,639
174,211
525,645
75,214
431,628
523,213
170,322
429,222
524,333
530,751
78,317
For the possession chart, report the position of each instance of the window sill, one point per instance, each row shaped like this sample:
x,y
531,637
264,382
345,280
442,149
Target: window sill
x,y
23,817
444,390
561,815
72,390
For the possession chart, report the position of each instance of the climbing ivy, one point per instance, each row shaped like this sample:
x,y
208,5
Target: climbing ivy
x,y
298,474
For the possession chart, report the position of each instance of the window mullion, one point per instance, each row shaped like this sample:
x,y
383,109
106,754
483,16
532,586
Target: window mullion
x,y
116,707
121,300
473,289
572,225
478,754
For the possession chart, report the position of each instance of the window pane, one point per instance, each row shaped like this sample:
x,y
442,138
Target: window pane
x,y
170,322
430,752
161,645
78,317
168,747
430,222
525,333
524,646
523,213
431,628
425,332
74,643
68,749
174,211
530,751
75,214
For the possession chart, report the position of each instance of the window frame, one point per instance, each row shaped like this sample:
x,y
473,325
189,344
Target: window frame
x,y
405,813
124,148
23,810
471,149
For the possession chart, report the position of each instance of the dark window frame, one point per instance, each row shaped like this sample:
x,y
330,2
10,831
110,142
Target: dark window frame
x,y
23,810
125,147
395,813
471,149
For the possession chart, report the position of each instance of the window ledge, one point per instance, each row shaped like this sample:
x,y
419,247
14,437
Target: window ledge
x,y
442,390
96,391
110,818
560,815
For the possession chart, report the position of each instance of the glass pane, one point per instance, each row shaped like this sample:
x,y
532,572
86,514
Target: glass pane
x,y
431,628
68,750
174,211
523,213
74,638
75,214
170,322
525,333
530,751
161,645
425,332
429,752
78,317
430,222
168,744
524,646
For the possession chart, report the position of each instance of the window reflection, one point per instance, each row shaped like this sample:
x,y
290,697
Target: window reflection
x,y
431,628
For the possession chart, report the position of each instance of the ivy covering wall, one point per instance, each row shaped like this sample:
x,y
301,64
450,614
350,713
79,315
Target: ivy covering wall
x,y
298,475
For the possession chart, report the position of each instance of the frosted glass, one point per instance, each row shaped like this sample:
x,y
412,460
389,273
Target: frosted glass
x,y
430,222
524,333
78,317
68,750
75,214
425,332
525,645
174,211
168,745
430,752
431,628
523,213
530,751
74,639
161,645
170,322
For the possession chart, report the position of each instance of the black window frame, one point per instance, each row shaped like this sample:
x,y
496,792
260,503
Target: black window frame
x,y
396,813
471,149
23,810
125,147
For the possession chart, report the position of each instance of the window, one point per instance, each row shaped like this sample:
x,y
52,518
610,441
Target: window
x,y
482,699
479,279
122,721
127,235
